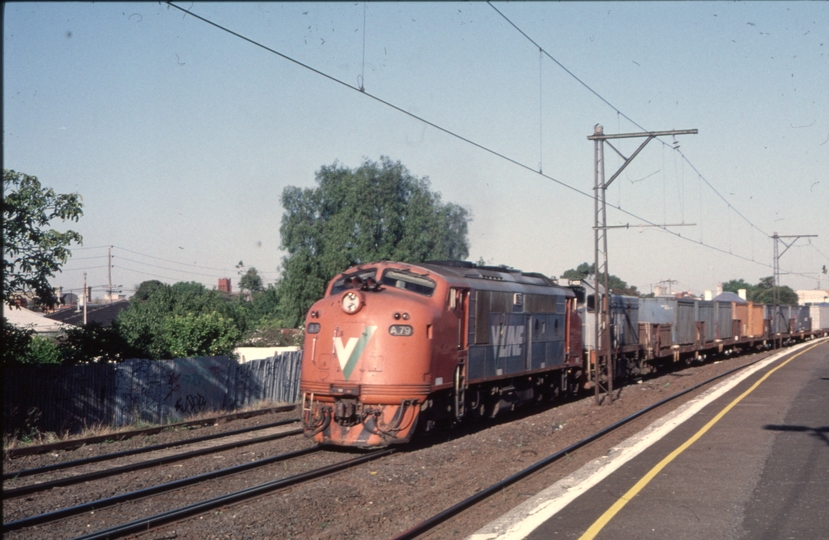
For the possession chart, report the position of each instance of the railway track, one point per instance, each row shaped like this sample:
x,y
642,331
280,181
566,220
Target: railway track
x,y
13,453
135,451
424,528
201,506
114,471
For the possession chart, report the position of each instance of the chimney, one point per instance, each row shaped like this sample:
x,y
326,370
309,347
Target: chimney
x,y
658,290
708,295
719,289
742,294
224,285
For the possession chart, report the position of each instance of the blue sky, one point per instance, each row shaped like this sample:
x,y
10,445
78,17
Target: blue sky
x,y
181,137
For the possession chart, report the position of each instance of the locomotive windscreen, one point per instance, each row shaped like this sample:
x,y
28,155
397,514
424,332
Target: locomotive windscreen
x,y
407,280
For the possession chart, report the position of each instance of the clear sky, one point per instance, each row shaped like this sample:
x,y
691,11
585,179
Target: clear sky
x,y
181,136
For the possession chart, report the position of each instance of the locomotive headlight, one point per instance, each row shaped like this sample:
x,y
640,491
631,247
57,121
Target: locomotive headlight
x,y
405,316
397,316
351,302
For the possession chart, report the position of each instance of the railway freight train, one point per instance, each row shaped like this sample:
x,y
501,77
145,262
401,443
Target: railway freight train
x,y
395,347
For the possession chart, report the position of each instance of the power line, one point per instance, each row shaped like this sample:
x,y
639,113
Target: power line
x,y
620,113
225,270
172,269
172,262
84,268
90,247
478,145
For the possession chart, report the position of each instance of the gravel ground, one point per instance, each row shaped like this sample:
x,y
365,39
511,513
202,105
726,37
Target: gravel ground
x,y
376,500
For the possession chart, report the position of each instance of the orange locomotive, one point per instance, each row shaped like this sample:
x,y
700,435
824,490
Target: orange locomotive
x,y
393,347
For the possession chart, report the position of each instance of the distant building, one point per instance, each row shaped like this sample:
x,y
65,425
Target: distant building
x,y
25,318
102,314
814,296
224,285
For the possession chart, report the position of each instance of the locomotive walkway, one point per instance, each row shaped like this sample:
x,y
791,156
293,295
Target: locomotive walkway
x,y
750,461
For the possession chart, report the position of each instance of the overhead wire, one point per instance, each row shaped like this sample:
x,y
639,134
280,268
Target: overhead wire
x,y
490,150
619,112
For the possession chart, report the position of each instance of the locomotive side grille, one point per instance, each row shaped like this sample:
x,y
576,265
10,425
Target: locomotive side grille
x,y
325,389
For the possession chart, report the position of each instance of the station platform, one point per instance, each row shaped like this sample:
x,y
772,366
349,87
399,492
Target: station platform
x,y
747,459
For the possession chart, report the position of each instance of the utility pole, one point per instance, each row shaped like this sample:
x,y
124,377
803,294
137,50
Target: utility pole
x,y
602,353
85,298
669,282
777,239
109,273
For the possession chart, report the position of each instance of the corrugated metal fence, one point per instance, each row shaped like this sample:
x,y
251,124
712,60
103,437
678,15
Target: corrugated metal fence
x,y
64,398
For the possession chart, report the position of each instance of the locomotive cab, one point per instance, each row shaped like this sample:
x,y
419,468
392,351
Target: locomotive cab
x,y
369,344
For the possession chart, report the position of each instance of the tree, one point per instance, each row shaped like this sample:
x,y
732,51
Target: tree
x,y
94,343
734,285
21,346
251,281
763,292
179,319
32,250
375,212
203,334
143,291
616,284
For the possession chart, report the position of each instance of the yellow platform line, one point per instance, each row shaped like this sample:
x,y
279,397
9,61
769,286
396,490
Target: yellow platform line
x,y
605,518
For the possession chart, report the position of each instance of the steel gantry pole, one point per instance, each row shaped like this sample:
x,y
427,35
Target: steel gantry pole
x,y
777,316
603,353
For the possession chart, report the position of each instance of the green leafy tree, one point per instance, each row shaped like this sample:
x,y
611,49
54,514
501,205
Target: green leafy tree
x,y
734,285
22,346
44,351
203,334
377,211
251,281
16,342
94,343
617,285
146,324
143,291
763,292
32,250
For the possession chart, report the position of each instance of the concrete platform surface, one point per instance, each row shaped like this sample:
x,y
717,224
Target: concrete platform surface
x,y
748,459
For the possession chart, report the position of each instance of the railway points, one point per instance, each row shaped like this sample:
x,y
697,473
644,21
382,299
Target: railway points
x,y
749,459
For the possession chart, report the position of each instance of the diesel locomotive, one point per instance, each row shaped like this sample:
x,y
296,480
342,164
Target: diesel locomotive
x,y
394,346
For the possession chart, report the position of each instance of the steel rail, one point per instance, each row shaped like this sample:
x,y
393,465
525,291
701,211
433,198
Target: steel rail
x,y
178,514
439,518
144,449
74,443
33,488
152,490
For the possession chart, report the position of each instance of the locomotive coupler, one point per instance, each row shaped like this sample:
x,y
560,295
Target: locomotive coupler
x,y
345,412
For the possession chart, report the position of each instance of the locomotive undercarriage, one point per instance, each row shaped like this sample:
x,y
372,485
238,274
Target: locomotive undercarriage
x,y
348,421
493,398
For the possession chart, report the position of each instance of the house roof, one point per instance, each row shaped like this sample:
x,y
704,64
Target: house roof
x,y
102,314
728,296
26,318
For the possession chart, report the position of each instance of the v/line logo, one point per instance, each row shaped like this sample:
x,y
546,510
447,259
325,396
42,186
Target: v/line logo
x,y
349,354
507,342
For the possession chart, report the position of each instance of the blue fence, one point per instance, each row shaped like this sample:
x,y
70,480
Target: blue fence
x,y
63,398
